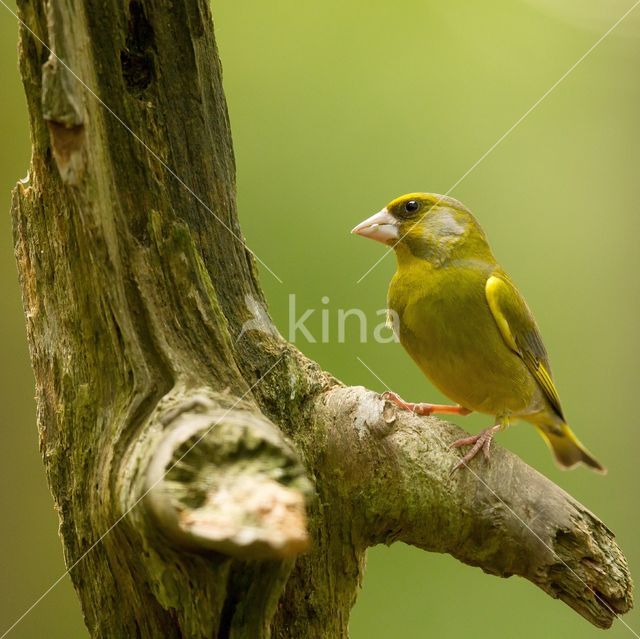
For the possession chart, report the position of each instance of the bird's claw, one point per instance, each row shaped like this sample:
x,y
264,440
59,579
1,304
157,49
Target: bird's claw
x,y
424,408
481,441
417,409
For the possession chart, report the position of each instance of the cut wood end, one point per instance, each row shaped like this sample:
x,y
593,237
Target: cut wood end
x,y
253,516
225,480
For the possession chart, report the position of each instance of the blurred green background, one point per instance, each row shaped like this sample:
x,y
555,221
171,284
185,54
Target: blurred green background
x,y
337,107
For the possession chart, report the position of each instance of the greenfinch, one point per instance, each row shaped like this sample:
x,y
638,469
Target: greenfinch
x,y
466,326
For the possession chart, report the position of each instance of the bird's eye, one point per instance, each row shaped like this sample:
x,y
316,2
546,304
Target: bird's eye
x,y
412,206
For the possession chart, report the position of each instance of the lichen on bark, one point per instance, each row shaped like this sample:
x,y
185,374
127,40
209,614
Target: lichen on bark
x,y
210,486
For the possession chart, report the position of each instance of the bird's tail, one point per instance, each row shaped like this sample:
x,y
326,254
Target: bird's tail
x,y
567,447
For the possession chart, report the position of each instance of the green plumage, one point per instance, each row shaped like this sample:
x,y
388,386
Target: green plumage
x,y
466,325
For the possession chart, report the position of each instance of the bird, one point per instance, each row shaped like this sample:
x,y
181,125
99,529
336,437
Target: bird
x,y
467,327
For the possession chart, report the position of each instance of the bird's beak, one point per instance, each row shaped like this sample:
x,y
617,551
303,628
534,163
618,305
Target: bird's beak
x,y
382,227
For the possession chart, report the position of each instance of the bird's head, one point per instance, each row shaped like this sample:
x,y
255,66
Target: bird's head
x,y
425,225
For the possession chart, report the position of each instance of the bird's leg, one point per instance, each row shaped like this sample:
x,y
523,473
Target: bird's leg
x,y
481,441
423,408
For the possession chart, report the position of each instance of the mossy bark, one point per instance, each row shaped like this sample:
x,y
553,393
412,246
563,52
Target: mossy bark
x,y
209,486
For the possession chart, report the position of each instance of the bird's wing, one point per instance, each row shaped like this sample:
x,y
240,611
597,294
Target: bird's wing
x,y
519,330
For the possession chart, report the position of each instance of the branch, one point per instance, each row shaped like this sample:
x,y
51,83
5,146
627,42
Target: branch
x,y
504,516
223,479
135,293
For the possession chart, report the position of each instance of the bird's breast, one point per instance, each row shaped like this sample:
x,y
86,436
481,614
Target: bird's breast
x,y
446,326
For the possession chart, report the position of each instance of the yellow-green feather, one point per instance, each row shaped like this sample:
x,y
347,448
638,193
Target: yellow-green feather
x,y
520,332
466,325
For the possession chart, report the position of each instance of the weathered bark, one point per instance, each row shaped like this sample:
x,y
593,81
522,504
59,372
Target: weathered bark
x,y
220,460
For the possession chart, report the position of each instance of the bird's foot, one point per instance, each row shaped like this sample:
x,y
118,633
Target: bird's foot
x,y
481,441
424,408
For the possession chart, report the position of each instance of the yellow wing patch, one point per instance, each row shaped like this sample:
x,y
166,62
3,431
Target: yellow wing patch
x,y
492,291
520,332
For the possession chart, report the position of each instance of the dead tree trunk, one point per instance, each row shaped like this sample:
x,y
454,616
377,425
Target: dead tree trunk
x,y
209,486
